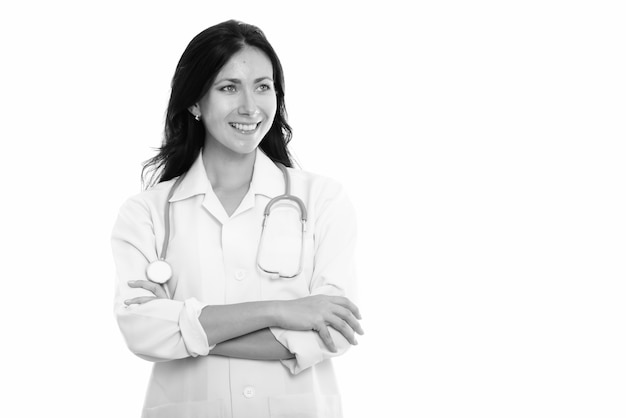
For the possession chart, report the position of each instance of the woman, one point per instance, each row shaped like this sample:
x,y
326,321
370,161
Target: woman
x,y
232,333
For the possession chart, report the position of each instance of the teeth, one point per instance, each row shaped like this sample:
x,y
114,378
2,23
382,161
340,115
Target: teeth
x,y
244,127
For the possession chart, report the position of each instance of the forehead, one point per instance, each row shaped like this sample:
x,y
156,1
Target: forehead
x,y
249,62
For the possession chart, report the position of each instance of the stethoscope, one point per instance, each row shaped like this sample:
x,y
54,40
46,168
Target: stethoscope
x,y
160,271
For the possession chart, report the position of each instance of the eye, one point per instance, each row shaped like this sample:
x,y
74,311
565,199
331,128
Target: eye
x,y
265,87
229,88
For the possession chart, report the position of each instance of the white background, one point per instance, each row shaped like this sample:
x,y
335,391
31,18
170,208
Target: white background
x,y
481,142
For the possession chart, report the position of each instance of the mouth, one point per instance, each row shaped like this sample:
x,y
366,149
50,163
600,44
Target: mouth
x,y
245,128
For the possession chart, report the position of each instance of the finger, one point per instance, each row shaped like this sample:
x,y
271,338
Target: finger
x,y
140,300
341,326
155,288
327,338
348,304
349,318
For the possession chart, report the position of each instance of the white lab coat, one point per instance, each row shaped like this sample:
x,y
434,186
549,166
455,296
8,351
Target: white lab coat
x,y
214,261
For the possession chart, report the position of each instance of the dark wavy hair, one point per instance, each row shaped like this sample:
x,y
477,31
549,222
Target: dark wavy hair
x,y
200,63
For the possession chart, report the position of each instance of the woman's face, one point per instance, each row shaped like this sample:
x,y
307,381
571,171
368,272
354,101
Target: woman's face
x,y
239,108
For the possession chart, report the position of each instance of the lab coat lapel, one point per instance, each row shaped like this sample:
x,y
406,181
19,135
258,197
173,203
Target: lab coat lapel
x,y
215,207
196,182
267,180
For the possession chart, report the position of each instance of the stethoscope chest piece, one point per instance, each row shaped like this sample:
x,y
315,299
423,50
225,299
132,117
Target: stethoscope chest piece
x,y
159,271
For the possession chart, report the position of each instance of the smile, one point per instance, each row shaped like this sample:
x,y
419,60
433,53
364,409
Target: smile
x,y
245,127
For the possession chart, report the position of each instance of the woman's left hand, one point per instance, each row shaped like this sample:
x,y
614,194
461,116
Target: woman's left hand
x,y
155,288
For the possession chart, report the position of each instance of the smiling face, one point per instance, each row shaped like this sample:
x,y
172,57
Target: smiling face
x,y
238,109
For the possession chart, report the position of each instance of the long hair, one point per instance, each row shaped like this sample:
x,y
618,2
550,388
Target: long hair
x,y
200,63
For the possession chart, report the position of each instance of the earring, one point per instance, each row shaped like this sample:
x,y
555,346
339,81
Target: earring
x,y
197,117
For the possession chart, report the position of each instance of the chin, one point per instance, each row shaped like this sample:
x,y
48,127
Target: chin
x,y
245,149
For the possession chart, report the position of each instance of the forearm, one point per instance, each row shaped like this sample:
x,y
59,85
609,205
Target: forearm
x,y
226,322
258,345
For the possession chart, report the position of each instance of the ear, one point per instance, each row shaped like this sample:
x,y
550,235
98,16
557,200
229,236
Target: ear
x,y
194,109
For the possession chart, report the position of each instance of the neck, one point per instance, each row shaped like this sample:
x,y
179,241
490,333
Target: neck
x,y
228,171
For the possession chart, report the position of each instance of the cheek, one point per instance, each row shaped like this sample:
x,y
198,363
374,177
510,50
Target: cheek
x,y
210,120
213,109
271,108
214,115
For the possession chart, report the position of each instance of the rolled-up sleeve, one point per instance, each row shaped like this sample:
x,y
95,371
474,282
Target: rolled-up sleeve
x,y
333,274
161,329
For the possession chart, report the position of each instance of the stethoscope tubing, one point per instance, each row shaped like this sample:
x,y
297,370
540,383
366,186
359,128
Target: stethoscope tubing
x,y
166,237
161,261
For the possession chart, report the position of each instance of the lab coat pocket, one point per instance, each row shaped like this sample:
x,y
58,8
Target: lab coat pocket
x,y
281,244
200,409
305,406
289,254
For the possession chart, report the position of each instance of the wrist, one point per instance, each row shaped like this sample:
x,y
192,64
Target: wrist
x,y
277,313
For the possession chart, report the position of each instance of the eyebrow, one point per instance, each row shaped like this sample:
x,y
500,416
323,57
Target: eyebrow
x,y
238,81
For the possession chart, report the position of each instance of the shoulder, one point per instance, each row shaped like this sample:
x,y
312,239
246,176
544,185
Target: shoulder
x,y
148,201
314,183
321,193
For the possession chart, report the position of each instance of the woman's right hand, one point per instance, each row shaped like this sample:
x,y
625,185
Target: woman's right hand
x,y
317,312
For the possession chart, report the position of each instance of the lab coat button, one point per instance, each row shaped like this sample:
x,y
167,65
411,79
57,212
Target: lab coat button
x,y
249,392
240,275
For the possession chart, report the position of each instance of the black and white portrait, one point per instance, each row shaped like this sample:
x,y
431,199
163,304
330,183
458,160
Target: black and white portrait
x,y
447,238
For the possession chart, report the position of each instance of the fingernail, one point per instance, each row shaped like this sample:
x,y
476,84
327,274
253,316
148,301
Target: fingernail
x,y
127,302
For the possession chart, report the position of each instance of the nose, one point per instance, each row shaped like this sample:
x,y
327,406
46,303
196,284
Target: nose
x,y
248,106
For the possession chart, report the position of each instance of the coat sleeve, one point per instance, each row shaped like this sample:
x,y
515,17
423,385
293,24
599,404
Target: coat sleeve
x,y
333,274
158,330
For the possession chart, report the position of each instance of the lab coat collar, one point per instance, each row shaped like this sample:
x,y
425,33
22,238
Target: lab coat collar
x,y
267,180
195,182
